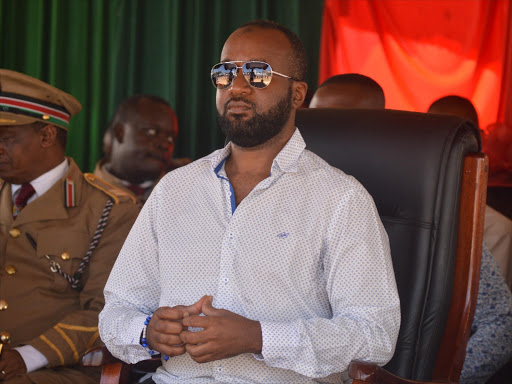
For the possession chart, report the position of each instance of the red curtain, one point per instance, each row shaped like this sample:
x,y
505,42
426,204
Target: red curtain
x,y
421,50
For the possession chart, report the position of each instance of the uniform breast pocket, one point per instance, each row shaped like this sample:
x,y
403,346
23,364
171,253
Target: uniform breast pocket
x,y
64,251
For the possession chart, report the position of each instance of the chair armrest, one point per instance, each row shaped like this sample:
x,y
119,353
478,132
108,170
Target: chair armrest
x,y
364,372
98,356
115,371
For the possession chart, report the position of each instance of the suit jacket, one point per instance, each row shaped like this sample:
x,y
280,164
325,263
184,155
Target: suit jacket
x,y
43,310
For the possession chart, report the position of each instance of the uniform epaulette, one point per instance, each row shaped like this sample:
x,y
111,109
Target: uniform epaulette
x,y
111,190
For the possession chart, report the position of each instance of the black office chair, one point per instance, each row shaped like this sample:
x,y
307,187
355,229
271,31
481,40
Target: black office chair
x,y
428,182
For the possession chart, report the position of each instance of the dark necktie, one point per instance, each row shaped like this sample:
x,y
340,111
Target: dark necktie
x,y
26,191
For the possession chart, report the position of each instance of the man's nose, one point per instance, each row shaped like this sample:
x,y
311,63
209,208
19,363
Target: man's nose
x,y
162,143
240,84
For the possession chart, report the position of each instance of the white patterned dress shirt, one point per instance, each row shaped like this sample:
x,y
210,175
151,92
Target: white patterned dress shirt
x,y
305,254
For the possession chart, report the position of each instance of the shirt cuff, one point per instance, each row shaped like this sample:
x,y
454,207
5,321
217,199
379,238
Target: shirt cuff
x,y
280,342
33,359
135,351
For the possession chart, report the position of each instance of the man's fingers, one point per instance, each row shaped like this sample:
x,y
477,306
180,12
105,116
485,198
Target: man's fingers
x,y
164,339
198,351
193,337
196,308
168,313
208,308
196,321
165,326
172,350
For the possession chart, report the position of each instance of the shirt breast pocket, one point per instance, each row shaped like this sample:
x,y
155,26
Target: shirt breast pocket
x,y
65,252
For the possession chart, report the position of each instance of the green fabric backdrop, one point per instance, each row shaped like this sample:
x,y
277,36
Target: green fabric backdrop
x,y
102,51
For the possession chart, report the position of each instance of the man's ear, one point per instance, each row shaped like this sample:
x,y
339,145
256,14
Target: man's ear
x,y
300,89
119,132
48,135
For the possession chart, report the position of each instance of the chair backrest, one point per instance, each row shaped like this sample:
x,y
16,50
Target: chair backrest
x,y
411,164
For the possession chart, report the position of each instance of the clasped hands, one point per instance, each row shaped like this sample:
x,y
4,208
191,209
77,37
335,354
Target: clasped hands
x,y
224,333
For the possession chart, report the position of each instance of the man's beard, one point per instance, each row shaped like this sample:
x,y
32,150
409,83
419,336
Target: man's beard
x,y
260,128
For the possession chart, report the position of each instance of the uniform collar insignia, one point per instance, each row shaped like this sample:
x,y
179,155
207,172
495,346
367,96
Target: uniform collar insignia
x,y
69,193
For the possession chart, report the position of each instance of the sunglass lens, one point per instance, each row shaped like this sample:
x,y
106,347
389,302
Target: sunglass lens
x,y
257,73
223,75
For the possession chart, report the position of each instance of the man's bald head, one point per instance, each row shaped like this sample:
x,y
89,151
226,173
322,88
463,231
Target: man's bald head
x,y
455,106
128,107
297,61
349,91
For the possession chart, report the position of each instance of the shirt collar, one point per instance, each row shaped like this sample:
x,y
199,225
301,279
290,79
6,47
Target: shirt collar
x,y
44,182
286,160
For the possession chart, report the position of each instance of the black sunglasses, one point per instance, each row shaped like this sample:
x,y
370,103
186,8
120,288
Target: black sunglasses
x,y
257,73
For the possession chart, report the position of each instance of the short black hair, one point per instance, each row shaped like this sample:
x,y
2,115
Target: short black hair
x,y
365,83
298,61
455,105
124,108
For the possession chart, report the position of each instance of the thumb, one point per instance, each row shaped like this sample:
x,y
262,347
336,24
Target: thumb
x,y
196,308
208,308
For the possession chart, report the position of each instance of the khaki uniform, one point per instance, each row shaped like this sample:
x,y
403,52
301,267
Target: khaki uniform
x,y
41,308
103,173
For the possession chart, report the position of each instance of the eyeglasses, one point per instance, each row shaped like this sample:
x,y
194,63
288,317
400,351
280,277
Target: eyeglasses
x,y
257,73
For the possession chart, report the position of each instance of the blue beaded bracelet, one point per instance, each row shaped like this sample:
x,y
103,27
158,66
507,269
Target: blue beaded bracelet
x,y
144,341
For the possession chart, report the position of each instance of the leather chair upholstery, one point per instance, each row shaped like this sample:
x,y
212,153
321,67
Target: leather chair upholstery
x,y
411,164
414,166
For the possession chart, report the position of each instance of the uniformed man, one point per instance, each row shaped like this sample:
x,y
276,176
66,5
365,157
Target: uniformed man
x,y
60,233
138,145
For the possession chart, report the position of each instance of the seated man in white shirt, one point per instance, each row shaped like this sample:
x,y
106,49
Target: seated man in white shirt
x,y
259,262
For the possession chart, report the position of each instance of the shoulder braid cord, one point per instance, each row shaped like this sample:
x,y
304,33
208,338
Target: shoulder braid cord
x,y
75,279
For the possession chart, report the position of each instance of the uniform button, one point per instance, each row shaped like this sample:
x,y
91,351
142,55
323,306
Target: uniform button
x,y
14,232
3,305
5,337
65,256
10,269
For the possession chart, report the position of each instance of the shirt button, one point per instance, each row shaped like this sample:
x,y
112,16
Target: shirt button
x,y
219,369
225,280
14,232
10,269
